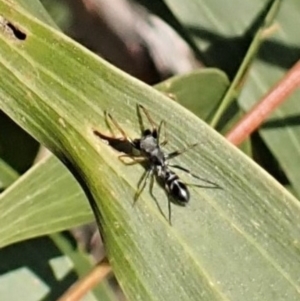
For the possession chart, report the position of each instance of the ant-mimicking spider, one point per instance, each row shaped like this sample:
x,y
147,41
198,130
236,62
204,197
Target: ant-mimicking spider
x,y
150,151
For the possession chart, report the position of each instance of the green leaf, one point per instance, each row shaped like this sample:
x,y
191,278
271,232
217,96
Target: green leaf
x,y
217,34
281,132
265,20
38,270
44,185
7,175
44,200
37,10
231,243
210,25
201,91
28,271
82,264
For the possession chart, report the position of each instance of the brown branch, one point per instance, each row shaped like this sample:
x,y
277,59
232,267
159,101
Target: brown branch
x,y
277,95
84,285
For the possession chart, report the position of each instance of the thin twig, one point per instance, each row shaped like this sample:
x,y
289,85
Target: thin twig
x,y
84,285
277,95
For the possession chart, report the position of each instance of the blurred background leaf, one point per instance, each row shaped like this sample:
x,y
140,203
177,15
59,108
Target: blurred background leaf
x,y
227,60
7,175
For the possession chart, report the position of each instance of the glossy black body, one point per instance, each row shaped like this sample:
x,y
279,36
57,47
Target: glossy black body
x,y
149,147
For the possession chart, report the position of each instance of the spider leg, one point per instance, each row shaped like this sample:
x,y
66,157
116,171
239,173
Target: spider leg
x,y
135,160
154,128
154,198
110,120
152,123
179,152
170,210
162,124
142,184
214,185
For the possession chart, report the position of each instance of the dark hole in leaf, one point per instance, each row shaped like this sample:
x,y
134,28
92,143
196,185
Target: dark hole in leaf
x,y
17,32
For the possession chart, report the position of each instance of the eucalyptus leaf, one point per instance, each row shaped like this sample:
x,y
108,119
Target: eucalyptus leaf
x,y
231,243
83,266
36,9
220,33
43,188
281,132
44,200
40,270
7,175
222,39
200,91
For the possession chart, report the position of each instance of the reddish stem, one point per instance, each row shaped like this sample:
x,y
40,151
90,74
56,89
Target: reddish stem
x,y
84,285
277,95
